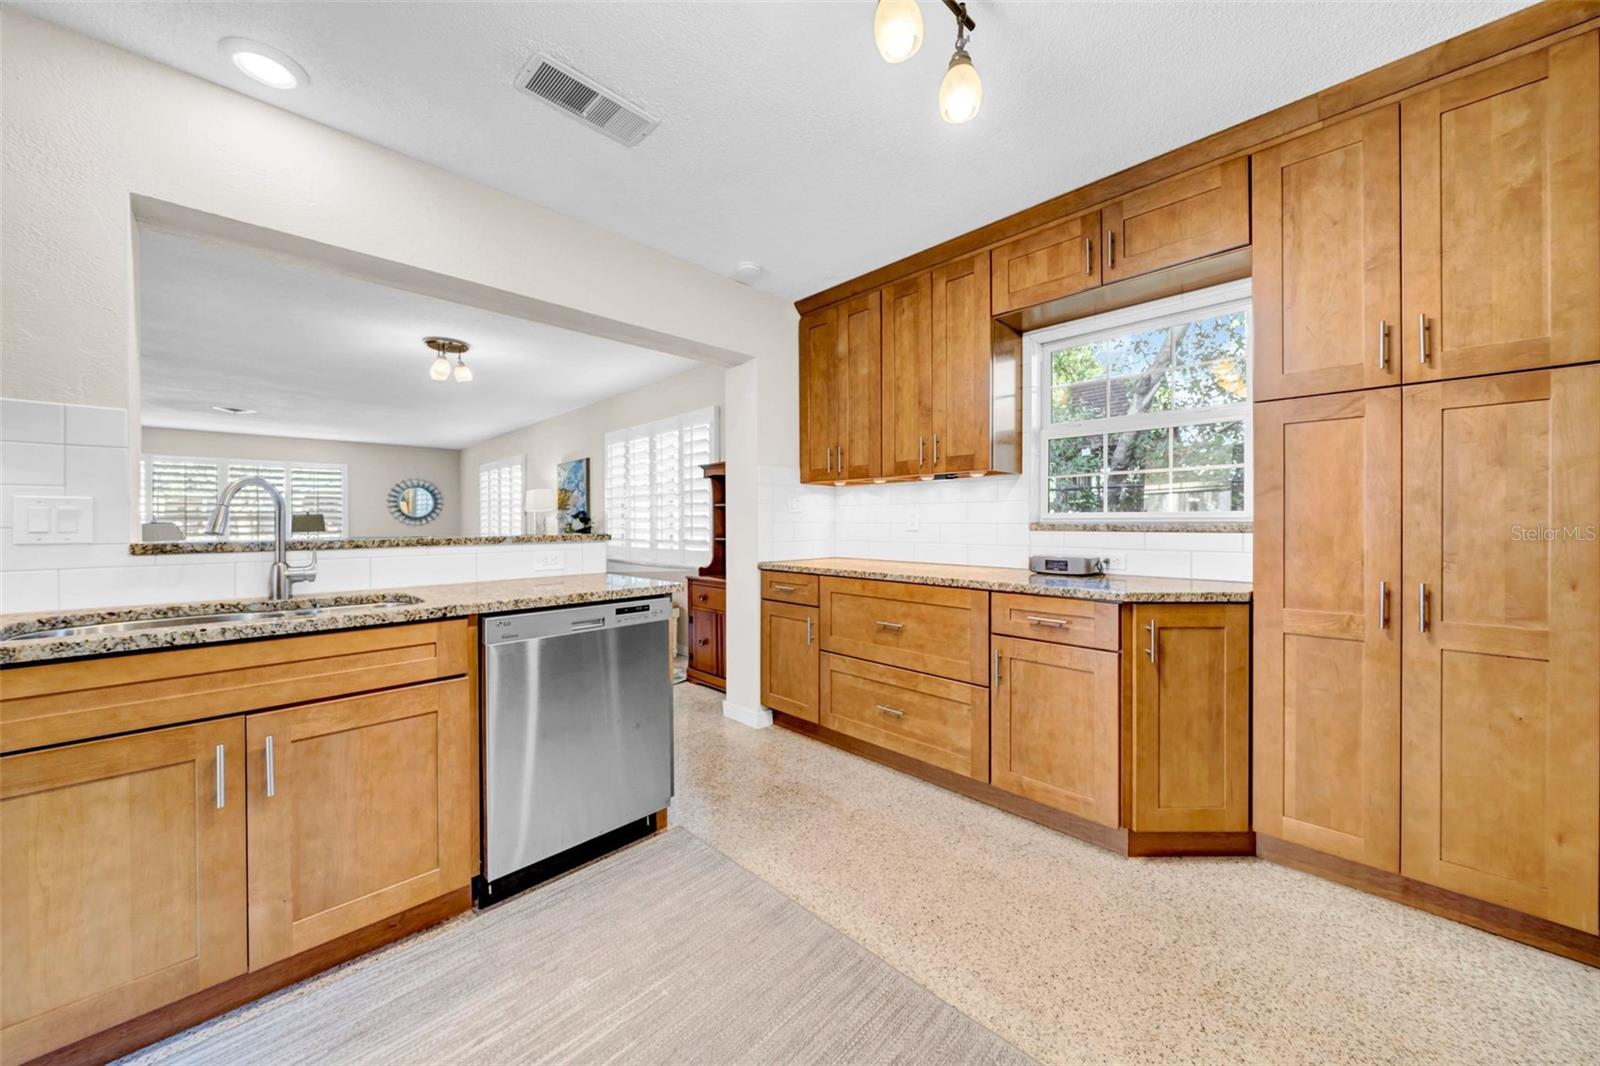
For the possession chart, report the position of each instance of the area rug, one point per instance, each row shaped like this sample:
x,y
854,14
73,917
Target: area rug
x,y
667,952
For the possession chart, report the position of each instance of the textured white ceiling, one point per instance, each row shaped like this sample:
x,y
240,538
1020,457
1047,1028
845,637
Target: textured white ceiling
x,y
784,138
324,356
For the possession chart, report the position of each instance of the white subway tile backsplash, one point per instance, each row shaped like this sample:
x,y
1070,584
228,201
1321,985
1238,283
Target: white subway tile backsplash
x,y
29,463
105,427
9,493
1195,542
105,474
127,585
28,420
29,591
510,565
1157,563
1222,566
408,569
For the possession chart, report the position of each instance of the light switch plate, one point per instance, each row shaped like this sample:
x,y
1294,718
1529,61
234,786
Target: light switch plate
x,y
52,519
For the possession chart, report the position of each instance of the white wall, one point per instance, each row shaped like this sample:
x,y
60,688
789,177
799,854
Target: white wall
x,y
582,433
372,469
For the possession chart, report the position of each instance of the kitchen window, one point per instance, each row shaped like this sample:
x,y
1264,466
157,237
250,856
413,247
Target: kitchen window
x,y
183,490
657,500
500,498
1144,412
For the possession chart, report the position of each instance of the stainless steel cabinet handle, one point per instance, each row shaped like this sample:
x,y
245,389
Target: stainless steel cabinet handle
x,y
222,776
1151,650
1383,345
896,626
810,622
936,449
830,458
921,445
1383,605
1422,607
1088,255
272,776
997,673
841,459
892,712
1040,620
1422,338
1111,248
777,586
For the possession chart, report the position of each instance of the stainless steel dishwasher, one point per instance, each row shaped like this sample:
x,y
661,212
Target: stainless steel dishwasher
x,y
577,727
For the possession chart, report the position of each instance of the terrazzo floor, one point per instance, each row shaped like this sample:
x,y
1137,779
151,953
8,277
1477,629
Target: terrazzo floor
x,y
1077,955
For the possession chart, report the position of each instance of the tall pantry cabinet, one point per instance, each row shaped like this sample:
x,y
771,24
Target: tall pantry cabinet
x,y
1427,448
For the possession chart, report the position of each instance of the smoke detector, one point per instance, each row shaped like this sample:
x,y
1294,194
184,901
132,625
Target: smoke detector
x,y
585,100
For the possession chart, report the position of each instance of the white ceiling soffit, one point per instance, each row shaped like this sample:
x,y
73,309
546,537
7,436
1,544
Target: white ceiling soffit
x,y
784,139
323,356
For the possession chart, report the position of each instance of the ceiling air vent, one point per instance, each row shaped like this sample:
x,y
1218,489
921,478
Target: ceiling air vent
x,y
584,100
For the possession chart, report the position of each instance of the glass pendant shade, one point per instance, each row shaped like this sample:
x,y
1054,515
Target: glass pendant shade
x,y
897,29
440,370
961,92
463,371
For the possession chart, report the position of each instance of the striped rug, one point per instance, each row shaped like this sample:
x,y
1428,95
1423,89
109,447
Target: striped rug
x,y
667,952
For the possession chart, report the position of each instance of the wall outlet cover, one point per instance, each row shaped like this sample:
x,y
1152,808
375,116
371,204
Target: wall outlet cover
x,y
1114,562
52,519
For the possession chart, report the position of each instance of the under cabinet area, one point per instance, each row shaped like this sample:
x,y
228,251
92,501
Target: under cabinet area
x,y
1035,703
157,864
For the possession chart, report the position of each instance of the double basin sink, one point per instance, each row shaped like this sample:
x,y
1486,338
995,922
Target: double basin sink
x,y
205,614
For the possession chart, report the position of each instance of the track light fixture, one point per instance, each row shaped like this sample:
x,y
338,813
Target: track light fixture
x,y
897,31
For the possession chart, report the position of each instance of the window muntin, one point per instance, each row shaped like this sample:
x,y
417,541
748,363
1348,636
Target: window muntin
x,y
657,500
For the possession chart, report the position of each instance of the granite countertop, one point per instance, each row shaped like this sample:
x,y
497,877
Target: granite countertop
x,y
305,544
420,604
1109,588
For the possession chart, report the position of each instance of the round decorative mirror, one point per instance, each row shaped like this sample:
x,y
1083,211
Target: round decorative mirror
x,y
415,502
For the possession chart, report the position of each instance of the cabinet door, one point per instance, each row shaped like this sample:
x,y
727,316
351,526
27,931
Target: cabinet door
x,y
1502,216
1174,221
1053,262
363,808
961,365
1326,262
1327,624
790,659
859,444
123,887
819,394
908,376
1191,718
1500,767
705,651
1056,725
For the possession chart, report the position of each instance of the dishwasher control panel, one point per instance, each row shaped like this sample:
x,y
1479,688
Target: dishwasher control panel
x,y
557,621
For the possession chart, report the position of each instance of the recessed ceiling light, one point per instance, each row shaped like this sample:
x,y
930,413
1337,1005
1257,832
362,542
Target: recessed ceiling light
x,y
225,409
263,63
747,272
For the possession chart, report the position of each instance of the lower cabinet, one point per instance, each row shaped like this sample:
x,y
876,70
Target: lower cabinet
x,y
941,722
359,808
124,879
790,659
1057,726
707,632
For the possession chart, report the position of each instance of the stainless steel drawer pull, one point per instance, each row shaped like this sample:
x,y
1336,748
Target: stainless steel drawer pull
x,y
1422,338
222,776
896,626
892,712
1383,345
1422,607
1151,650
997,673
1383,605
810,626
272,776
781,588
1041,620
922,443
1088,255
936,449
830,458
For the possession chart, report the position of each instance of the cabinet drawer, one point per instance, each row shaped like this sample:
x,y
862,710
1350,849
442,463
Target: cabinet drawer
x,y
704,597
927,628
945,723
790,588
1056,620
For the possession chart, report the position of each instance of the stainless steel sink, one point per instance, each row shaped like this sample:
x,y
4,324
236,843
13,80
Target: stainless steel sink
x,y
203,617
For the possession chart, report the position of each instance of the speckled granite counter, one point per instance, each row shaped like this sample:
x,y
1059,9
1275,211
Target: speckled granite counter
x,y
422,603
210,547
1108,589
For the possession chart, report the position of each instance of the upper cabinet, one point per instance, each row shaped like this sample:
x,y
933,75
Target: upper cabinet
x,y
819,394
1326,260
1056,261
840,376
961,365
1173,221
1501,228
908,378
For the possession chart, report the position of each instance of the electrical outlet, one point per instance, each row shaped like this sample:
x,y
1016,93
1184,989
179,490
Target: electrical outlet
x,y
914,522
1114,562
794,504
548,561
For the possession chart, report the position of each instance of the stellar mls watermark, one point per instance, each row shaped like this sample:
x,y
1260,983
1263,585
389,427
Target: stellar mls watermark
x,y
1549,533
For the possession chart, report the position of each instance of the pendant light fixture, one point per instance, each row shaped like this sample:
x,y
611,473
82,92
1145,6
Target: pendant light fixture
x,y
443,348
961,92
897,29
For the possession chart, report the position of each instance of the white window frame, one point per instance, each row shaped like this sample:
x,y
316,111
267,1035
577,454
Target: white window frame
x,y
1203,303
517,519
681,552
222,463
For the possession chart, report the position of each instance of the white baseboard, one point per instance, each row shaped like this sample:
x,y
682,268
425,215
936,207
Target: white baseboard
x,y
761,718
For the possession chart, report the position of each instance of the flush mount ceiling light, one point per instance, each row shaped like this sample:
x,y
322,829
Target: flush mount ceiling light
x,y
263,63
443,348
897,29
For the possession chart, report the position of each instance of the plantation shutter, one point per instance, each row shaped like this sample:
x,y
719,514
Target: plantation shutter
x,y
658,503
500,497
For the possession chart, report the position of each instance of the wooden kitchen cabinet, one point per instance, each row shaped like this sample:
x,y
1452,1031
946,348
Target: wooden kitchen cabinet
x,y
908,375
790,659
1056,722
841,377
1047,264
1326,259
358,809
940,631
1501,218
821,394
1500,765
1191,718
1174,221
1327,624
124,879
708,631
933,720
962,349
